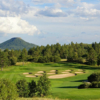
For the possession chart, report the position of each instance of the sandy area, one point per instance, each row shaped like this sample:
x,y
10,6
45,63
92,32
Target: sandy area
x,y
80,69
68,70
40,72
52,70
78,72
25,73
50,73
61,76
65,72
30,76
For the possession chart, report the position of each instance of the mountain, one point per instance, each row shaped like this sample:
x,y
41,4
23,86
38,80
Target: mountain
x,y
17,44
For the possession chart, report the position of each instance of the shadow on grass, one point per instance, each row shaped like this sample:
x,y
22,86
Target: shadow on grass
x,y
68,87
80,81
79,66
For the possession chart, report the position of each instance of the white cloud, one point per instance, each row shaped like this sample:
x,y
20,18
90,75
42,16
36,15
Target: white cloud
x,y
52,1
15,25
12,8
51,12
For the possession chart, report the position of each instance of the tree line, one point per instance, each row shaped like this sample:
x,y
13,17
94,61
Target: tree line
x,y
73,52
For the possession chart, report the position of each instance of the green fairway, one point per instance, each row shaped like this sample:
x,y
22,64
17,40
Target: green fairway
x,y
64,88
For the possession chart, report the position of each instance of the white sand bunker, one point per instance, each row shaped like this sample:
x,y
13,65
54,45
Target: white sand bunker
x,y
61,76
68,70
79,72
40,72
65,72
30,76
50,73
25,73
52,70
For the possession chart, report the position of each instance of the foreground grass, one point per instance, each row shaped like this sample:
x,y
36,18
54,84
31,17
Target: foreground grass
x,y
65,88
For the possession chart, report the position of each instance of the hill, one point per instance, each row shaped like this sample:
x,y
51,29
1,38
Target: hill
x,y
16,44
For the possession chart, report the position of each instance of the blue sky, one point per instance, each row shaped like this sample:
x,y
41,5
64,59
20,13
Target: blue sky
x,y
45,22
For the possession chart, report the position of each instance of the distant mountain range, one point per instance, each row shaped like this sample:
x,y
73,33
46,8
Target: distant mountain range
x,y
16,44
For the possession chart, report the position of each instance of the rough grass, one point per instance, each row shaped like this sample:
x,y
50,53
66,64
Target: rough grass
x,y
65,88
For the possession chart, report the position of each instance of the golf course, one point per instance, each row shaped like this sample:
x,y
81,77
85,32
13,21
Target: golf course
x,y
64,83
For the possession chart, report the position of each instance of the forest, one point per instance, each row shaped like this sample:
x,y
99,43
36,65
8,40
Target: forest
x,y
73,52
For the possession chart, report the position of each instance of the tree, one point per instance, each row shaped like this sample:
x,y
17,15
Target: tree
x,y
3,60
43,86
8,90
94,77
92,57
13,60
98,59
32,88
23,88
23,55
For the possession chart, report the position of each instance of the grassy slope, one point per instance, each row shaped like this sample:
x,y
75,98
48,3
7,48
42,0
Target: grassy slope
x,y
61,88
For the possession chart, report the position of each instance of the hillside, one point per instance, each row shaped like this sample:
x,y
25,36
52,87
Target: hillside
x,y
16,44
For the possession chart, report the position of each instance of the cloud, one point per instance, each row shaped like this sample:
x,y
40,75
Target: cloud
x,y
51,12
12,8
52,1
15,25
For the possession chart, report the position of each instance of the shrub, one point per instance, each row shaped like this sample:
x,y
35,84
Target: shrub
x,y
23,88
56,72
94,77
95,84
43,86
84,85
32,88
8,90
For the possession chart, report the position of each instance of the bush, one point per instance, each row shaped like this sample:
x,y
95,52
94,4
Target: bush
x,y
56,72
43,86
95,84
84,85
8,90
94,77
32,88
23,88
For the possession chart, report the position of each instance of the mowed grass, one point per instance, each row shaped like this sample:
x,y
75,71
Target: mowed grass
x,y
65,88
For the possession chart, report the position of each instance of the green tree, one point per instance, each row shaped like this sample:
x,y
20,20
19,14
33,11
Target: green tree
x,y
92,57
8,90
23,55
23,88
32,88
3,60
13,60
43,86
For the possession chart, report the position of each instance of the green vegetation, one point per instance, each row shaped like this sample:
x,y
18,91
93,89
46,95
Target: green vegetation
x,y
43,86
8,90
65,88
16,44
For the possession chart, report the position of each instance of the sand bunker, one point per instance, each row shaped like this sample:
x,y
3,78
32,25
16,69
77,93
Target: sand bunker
x,y
52,70
40,72
68,70
65,72
50,73
79,72
30,76
61,76
25,73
